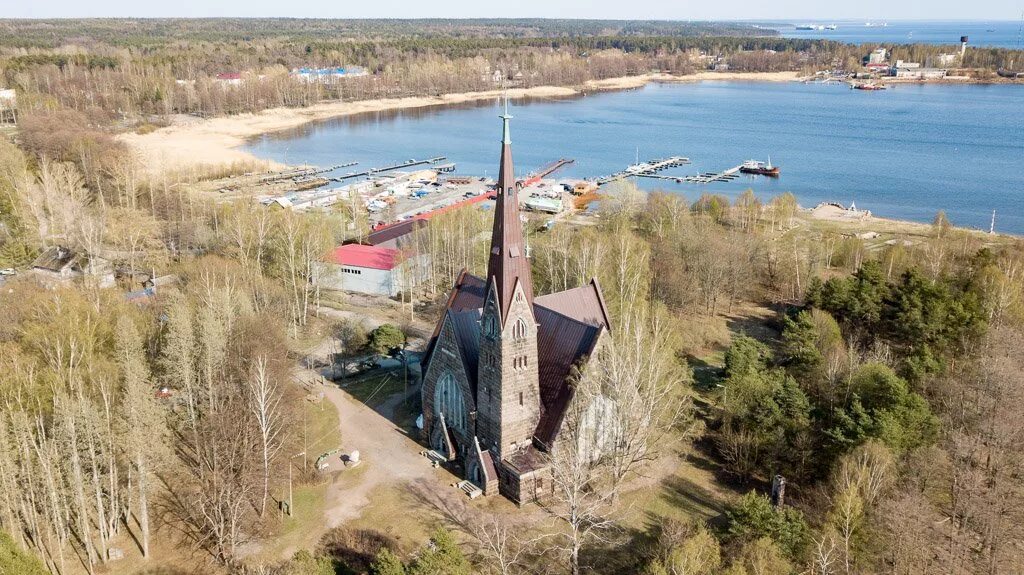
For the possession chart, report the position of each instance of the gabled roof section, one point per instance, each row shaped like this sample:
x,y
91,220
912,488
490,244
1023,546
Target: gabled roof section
x,y
56,259
389,236
584,304
563,343
466,326
360,256
467,294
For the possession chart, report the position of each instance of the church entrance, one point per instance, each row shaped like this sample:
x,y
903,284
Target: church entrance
x,y
448,447
474,474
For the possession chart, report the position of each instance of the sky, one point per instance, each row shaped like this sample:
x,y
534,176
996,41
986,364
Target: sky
x,y
612,9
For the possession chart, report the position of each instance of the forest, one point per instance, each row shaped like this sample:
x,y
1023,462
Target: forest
x,y
137,74
883,380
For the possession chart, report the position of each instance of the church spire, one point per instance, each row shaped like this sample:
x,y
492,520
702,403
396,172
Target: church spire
x,y
508,262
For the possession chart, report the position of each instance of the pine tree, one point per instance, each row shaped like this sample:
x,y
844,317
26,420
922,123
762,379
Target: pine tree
x,y
387,563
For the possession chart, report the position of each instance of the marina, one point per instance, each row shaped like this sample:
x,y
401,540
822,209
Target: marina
x,y
646,169
299,174
412,163
939,154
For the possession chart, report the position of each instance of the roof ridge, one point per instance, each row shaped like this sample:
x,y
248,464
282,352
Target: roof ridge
x,y
568,317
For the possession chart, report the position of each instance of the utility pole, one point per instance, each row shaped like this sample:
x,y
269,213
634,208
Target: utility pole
x,y
290,495
992,226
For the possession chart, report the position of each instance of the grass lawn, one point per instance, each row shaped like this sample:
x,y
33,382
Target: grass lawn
x,y
319,429
303,529
375,388
400,514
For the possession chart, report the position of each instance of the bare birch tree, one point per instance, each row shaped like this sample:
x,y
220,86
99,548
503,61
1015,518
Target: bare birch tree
x,y
144,425
264,405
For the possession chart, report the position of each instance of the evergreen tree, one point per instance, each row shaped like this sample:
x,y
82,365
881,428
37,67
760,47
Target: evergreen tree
x,y
442,557
753,517
387,563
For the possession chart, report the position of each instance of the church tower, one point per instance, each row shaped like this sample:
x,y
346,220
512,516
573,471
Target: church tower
x,y
508,398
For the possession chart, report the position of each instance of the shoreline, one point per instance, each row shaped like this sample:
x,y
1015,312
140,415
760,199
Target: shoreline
x,y
195,144
191,143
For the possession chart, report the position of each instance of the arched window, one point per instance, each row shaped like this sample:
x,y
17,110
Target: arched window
x,y
448,400
519,329
490,326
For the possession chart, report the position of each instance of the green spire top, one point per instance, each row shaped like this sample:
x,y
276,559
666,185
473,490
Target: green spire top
x,y
506,134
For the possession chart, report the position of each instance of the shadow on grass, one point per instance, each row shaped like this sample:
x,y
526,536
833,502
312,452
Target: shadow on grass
x,y
766,328
705,375
696,501
624,551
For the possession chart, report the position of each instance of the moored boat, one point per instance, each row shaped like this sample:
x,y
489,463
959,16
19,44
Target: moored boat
x,y
760,168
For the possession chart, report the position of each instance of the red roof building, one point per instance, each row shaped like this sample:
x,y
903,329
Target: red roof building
x,y
360,256
369,269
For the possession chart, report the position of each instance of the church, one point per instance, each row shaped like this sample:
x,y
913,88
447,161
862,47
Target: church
x,y
499,368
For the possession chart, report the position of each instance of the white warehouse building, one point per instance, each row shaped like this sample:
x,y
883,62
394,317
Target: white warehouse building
x,y
364,269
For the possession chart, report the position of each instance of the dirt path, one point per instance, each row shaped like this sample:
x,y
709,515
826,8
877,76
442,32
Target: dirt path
x,y
388,454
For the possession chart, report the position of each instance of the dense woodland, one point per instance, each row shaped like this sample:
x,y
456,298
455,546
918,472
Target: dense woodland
x,y
126,73
887,390
885,383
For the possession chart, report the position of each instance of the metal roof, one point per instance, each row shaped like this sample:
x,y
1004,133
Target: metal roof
x,y
360,256
466,326
563,343
585,304
388,234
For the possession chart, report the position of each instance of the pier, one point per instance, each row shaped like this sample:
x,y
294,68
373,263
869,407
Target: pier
x,y
546,171
303,173
406,164
705,178
645,169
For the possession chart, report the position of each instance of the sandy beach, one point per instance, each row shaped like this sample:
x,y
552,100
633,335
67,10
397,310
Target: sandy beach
x,y
191,142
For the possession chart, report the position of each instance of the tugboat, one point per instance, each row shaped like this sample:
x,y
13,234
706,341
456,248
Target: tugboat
x,y
760,168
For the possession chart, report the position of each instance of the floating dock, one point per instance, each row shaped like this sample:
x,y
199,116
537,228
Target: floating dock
x,y
406,164
303,173
645,169
704,178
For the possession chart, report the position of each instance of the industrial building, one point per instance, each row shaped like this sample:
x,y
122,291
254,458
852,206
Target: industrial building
x,y
327,75
364,269
914,70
